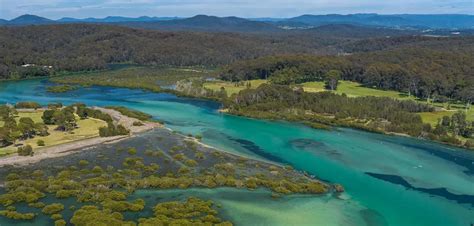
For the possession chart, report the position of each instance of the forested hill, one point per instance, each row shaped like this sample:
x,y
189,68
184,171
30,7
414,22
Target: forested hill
x,y
77,47
424,67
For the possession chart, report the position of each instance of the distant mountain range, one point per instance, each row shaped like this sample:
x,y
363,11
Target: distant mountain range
x,y
434,21
115,19
207,23
236,24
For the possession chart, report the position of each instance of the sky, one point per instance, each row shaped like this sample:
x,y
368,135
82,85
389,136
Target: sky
x,y
56,9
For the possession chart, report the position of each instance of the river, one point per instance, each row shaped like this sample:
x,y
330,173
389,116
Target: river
x,y
389,180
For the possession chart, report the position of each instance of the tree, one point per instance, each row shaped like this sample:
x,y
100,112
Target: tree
x,y
332,78
467,95
48,117
9,133
7,112
25,151
41,129
27,127
285,76
64,119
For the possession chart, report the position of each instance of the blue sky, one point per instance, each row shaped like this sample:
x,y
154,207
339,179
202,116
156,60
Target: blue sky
x,y
243,8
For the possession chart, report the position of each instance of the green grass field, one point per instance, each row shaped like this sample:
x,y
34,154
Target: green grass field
x,y
88,128
231,87
354,89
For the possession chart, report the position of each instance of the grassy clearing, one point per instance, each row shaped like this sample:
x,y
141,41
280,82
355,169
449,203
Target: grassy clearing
x,y
313,87
354,89
232,87
88,128
433,117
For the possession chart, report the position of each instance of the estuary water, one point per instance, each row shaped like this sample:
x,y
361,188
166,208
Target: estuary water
x,y
389,180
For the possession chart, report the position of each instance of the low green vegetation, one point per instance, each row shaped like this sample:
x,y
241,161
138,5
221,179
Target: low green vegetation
x,y
27,105
99,193
113,130
233,87
131,113
149,78
354,89
61,88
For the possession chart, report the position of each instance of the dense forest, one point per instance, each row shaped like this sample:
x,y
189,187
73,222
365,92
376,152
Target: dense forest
x,y
428,68
46,49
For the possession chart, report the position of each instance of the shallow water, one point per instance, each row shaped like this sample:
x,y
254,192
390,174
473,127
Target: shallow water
x,y
389,180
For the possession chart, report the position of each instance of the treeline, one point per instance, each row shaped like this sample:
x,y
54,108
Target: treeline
x,y
423,72
399,115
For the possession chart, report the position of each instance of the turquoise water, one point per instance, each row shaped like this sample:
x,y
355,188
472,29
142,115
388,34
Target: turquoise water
x,y
389,180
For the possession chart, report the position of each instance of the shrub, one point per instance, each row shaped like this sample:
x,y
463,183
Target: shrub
x,y
55,105
56,216
112,130
60,223
25,151
40,143
131,113
83,162
16,215
137,123
27,105
132,151
53,208
60,88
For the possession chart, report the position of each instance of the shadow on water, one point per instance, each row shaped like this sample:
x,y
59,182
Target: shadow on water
x,y
443,192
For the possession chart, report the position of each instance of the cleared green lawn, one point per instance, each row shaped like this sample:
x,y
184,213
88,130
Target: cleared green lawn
x,y
88,128
354,89
232,87
313,87
433,117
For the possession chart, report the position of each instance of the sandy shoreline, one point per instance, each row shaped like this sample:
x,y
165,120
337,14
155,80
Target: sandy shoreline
x,y
74,146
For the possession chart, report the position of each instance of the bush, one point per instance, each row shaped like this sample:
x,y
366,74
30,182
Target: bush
x,y
131,113
132,151
137,123
60,223
55,105
27,105
60,88
56,216
112,130
83,162
53,208
25,151
40,143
